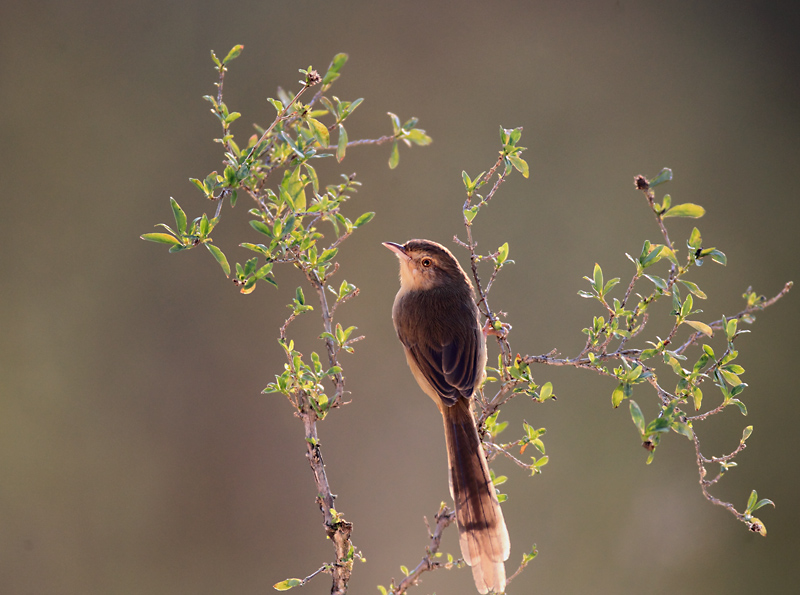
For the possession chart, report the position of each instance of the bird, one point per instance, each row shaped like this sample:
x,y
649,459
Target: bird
x,y
438,323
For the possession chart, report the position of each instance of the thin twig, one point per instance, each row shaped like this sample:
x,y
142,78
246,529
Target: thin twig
x,y
443,519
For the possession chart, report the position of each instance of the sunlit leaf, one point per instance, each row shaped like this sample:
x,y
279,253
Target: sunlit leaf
x,y
700,326
287,584
686,210
161,238
233,54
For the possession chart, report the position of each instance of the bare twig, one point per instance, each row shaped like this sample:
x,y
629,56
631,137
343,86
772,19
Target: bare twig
x,y
443,519
718,324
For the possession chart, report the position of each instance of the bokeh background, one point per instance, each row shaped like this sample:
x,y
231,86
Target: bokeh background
x,y
137,454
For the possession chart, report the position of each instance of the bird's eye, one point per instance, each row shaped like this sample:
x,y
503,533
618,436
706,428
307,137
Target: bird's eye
x,y
426,262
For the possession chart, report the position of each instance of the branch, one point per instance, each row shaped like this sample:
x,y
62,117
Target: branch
x,y
336,528
718,324
443,519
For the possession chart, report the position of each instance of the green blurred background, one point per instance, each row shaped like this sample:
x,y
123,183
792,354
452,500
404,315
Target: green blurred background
x,y
136,452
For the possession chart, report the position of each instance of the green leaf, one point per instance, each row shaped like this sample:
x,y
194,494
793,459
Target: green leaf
x,y
598,278
338,61
233,54
394,158
520,165
740,405
700,326
730,329
199,185
683,428
693,288
502,253
761,503
528,557
610,285
220,258
180,216
296,188
312,175
418,137
261,227
617,396
341,147
751,502
364,219
161,238
697,396
287,584
396,128
664,176
686,308
719,257
695,239
320,132
328,254
685,210
659,282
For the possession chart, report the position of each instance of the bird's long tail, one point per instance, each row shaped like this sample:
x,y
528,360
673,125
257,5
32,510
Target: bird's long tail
x,y
482,531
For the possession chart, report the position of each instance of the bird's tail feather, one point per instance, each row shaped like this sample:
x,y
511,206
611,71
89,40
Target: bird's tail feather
x,y
482,530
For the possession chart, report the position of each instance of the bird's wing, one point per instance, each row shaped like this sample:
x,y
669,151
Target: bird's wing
x,y
450,368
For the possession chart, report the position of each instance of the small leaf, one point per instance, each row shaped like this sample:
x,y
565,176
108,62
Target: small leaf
x,y
220,258
740,405
161,238
364,219
700,326
394,158
598,278
502,253
261,227
320,132
664,176
686,210
199,185
180,216
659,282
751,502
693,288
761,503
617,396
637,416
695,239
287,584
341,147
233,54
719,257
333,70
746,433
520,165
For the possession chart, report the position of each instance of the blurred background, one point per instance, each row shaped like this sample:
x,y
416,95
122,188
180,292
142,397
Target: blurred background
x,y
137,454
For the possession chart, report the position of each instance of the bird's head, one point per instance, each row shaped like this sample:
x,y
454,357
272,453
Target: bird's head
x,y
426,265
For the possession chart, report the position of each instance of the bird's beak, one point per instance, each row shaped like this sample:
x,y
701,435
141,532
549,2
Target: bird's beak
x,y
397,249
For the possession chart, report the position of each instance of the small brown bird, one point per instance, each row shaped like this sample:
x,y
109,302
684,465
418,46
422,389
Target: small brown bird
x,y
437,321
